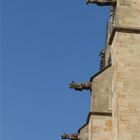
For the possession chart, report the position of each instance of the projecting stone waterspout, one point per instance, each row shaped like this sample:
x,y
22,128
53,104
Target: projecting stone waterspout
x,y
102,2
80,86
70,136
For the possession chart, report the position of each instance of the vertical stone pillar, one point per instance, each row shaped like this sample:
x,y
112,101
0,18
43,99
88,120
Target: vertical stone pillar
x,y
126,71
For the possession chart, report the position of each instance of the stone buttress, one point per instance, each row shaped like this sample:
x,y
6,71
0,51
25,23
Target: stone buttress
x,y
115,89
125,44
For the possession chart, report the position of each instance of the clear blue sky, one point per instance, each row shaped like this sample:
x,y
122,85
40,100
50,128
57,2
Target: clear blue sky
x,y
45,44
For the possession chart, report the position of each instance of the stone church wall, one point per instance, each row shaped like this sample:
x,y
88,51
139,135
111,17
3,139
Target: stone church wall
x,y
126,86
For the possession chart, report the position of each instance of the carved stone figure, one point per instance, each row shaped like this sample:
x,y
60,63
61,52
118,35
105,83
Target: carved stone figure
x,y
102,2
111,19
102,61
80,86
70,136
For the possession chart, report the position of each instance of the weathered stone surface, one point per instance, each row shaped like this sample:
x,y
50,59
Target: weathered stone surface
x,y
126,86
127,14
102,92
101,127
84,133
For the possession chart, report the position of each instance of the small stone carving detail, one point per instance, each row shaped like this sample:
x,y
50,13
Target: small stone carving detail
x,y
102,2
80,86
70,136
102,61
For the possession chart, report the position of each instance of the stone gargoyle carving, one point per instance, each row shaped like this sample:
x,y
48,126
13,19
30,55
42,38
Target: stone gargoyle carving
x,y
70,136
102,61
80,86
102,2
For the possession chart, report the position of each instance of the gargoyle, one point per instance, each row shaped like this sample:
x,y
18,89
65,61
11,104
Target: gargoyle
x,y
70,136
102,2
80,86
102,61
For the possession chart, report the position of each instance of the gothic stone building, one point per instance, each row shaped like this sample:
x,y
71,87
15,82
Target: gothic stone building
x,y
115,98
